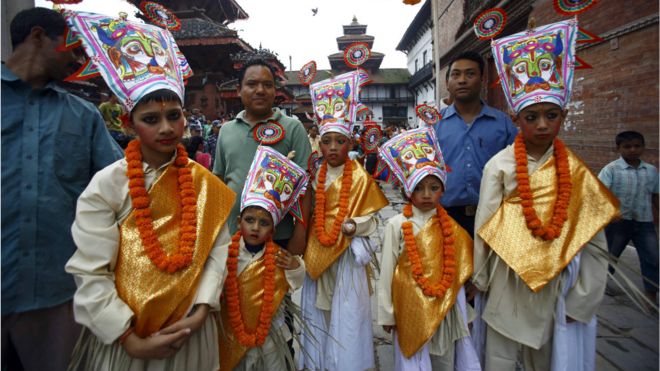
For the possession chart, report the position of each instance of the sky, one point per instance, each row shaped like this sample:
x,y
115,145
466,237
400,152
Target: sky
x,y
288,28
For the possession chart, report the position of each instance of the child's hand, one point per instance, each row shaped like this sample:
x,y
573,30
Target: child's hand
x,y
285,260
155,346
388,328
348,227
193,322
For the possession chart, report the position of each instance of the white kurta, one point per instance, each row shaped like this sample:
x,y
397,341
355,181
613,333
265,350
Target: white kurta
x,y
269,355
100,210
450,343
511,308
336,306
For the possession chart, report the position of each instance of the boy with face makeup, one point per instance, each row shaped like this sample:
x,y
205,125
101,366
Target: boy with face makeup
x,y
335,298
253,334
149,228
539,249
427,257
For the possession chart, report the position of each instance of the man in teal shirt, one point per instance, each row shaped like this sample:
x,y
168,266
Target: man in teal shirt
x,y
258,123
52,144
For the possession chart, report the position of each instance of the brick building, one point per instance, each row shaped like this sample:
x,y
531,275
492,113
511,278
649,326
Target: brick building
x,y
619,93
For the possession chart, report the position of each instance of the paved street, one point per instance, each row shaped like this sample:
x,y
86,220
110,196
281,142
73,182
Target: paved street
x,y
627,338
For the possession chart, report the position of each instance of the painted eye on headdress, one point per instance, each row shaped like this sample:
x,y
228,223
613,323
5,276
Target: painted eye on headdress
x,y
270,178
408,156
520,67
545,65
339,106
428,150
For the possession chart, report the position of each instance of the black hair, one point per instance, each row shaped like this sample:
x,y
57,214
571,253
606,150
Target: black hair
x,y
160,95
625,136
51,21
254,62
469,55
193,146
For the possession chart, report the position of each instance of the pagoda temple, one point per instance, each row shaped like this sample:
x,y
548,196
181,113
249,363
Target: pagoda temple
x,y
387,96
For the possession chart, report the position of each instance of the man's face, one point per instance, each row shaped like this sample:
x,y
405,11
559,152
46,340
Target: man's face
x,y
60,64
258,91
464,80
631,150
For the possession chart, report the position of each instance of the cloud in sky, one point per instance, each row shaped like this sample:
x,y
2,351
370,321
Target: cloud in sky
x,y
288,28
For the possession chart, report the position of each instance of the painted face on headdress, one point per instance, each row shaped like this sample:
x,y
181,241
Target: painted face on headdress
x,y
414,152
135,53
537,65
134,59
413,155
336,97
274,183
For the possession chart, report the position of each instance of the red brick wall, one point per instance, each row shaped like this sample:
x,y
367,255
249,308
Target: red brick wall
x,y
621,91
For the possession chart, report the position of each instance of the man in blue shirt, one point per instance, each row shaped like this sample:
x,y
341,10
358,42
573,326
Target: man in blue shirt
x,y
470,133
52,144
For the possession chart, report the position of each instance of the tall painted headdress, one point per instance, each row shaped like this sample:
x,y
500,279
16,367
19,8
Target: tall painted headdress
x,y
134,59
275,183
336,97
537,65
413,155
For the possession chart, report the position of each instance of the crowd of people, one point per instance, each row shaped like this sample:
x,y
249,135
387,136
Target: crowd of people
x,y
140,236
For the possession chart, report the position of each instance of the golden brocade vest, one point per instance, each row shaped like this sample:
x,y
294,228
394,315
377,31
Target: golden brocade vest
x,y
365,198
251,292
418,316
157,298
537,262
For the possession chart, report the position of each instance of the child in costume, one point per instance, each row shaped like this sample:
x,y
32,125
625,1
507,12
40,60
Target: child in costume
x,y
253,334
427,257
335,297
150,228
539,249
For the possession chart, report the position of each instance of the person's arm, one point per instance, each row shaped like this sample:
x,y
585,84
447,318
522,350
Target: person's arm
x,y
390,256
583,299
219,167
95,231
300,144
605,176
491,194
104,149
215,272
654,196
298,241
511,129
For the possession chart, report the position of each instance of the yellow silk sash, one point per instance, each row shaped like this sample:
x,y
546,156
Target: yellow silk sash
x,y
158,298
417,315
251,292
365,198
536,261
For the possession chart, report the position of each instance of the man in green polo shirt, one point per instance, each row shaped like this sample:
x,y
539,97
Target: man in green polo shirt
x,y
258,123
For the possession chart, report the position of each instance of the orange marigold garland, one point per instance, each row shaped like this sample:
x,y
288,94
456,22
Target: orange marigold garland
x,y
258,337
183,256
448,272
552,229
329,239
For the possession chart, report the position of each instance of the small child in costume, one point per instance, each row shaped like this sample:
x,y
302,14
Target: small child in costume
x,y
150,228
540,218
335,297
252,333
427,257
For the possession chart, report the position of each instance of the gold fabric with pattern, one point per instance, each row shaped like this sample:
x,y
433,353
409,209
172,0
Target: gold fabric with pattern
x,y
157,298
537,262
251,292
418,316
365,198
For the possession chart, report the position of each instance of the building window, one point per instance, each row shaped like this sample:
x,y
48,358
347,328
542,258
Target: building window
x,y
424,58
393,92
416,69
